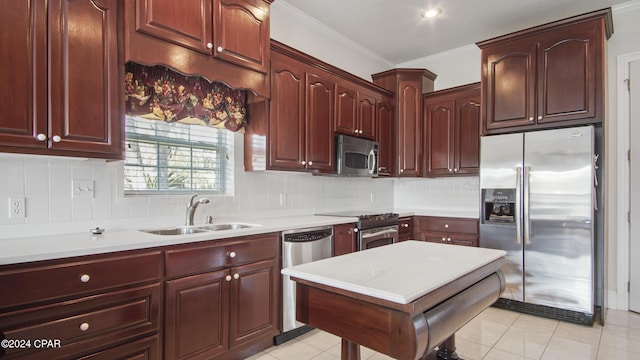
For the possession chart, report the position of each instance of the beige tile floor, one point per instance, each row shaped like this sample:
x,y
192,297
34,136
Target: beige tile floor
x,y
498,334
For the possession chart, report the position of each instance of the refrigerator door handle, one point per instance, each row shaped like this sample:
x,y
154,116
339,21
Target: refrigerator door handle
x,y
527,221
518,214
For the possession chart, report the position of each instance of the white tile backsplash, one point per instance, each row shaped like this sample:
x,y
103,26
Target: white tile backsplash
x,y
45,182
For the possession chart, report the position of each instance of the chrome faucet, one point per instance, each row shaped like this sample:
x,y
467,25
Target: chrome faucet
x,y
191,207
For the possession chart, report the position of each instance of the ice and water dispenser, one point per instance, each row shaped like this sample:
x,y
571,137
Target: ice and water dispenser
x,y
498,206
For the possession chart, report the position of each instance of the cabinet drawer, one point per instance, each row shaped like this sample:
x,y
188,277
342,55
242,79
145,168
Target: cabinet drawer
x,y
58,279
195,259
144,349
449,225
450,238
83,324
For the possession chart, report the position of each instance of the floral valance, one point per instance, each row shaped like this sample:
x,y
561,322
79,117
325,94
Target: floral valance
x,y
157,92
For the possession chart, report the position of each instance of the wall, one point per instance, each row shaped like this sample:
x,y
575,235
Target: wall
x,y
45,182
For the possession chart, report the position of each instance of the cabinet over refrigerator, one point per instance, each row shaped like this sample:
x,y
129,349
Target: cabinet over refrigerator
x,y
538,203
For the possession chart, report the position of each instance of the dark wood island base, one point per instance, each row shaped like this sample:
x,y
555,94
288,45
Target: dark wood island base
x,y
402,331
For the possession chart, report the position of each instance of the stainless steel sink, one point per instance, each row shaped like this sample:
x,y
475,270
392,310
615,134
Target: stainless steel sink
x,y
187,230
175,231
229,226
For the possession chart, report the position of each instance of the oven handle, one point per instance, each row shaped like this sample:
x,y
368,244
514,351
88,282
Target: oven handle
x,y
369,233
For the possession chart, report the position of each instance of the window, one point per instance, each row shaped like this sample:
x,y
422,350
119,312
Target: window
x,y
174,158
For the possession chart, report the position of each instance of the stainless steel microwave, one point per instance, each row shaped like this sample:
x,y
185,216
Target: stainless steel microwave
x,y
356,156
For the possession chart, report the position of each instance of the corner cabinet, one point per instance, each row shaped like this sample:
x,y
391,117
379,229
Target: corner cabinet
x,y
548,76
408,85
62,88
452,131
222,40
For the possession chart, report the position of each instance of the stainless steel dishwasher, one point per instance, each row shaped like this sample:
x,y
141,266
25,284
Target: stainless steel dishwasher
x,y
300,246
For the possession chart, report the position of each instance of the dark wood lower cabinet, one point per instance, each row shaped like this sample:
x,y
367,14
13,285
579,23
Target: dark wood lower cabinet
x,y
207,300
229,308
447,230
344,239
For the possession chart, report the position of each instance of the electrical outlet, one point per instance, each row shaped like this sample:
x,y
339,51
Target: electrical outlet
x,y
17,208
82,188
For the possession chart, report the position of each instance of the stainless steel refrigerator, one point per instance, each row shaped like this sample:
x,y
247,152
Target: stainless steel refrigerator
x,y
537,203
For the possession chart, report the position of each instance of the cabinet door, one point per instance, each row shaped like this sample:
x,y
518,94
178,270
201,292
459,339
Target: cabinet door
x,y
367,115
254,309
344,239
24,73
241,33
197,315
187,22
567,73
286,121
346,121
467,134
319,122
405,229
439,137
386,138
509,84
86,111
409,133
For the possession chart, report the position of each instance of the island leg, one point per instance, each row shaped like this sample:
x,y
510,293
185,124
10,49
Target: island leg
x,y
447,350
350,350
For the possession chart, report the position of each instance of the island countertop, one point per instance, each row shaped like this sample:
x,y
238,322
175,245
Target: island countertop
x,y
400,272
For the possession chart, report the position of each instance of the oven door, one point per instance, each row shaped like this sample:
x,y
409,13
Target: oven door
x,y
371,238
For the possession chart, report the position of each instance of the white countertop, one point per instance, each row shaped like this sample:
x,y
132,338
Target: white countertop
x,y
400,272
35,248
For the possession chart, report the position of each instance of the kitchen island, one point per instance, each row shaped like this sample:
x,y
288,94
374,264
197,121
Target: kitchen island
x,y
402,300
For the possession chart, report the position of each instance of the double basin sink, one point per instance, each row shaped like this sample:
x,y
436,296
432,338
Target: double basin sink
x,y
187,230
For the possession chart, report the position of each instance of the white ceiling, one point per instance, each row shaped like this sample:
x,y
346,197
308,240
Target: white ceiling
x,y
395,31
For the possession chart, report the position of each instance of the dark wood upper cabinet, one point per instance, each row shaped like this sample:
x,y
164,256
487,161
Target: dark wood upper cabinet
x,y
386,137
222,40
300,136
452,131
319,119
78,110
547,76
355,111
310,102
408,85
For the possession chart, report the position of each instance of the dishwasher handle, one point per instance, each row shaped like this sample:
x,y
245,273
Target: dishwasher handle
x,y
307,235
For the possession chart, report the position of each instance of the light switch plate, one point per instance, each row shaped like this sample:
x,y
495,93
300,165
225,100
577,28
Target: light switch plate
x,y
82,188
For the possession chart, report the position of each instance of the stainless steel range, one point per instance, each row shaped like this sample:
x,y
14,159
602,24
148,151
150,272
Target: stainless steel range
x,y
373,228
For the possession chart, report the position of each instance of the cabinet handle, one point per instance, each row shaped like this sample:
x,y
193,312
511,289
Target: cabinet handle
x,y
355,131
360,131
236,276
220,48
41,137
401,171
303,162
446,226
531,118
310,163
228,277
444,239
56,138
405,225
209,46
449,239
232,254
539,117
455,170
450,170
85,278
355,230
84,326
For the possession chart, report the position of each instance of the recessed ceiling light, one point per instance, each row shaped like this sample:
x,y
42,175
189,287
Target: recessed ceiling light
x,y
431,13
